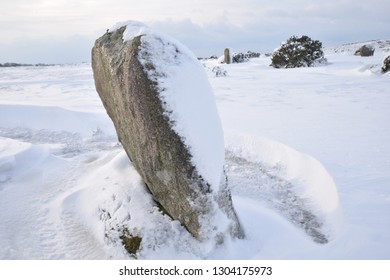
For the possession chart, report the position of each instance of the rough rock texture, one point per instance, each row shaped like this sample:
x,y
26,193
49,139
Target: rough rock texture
x,y
386,65
365,50
133,102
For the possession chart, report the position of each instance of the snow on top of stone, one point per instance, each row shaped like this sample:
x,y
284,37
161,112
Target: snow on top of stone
x,y
133,29
187,97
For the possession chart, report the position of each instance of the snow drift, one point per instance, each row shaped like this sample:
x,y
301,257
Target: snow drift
x,y
304,186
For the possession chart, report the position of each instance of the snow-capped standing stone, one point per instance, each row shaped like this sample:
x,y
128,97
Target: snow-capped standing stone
x,y
162,105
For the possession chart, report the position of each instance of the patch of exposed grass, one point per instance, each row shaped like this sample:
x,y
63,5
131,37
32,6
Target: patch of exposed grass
x,y
132,243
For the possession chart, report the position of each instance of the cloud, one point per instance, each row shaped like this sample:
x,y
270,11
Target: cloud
x,y
206,27
202,40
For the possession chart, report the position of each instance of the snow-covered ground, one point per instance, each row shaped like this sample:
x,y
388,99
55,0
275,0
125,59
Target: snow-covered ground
x,y
307,154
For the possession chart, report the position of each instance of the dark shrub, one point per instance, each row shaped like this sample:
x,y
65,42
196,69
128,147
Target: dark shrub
x,y
298,52
244,57
386,65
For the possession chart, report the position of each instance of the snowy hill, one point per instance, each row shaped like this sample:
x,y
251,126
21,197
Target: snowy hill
x,y
307,155
382,46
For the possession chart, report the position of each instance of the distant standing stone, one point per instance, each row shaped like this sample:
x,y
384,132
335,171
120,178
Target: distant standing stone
x,y
365,50
227,58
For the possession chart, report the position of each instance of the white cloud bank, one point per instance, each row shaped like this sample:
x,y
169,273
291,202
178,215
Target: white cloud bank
x,y
64,30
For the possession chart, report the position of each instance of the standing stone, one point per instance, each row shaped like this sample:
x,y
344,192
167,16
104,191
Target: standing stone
x,y
365,50
132,67
227,58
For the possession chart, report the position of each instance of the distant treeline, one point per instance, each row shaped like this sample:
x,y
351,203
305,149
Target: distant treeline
x,y
12,64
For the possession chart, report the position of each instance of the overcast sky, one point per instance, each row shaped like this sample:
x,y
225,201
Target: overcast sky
x,y
63,31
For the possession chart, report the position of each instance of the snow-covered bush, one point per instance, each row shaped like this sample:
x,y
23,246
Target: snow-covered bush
x,y
244,57
219,71
298,52
386,65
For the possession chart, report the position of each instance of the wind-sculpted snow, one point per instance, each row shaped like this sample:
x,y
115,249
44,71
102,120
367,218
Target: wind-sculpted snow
x,y
270,172
35,225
